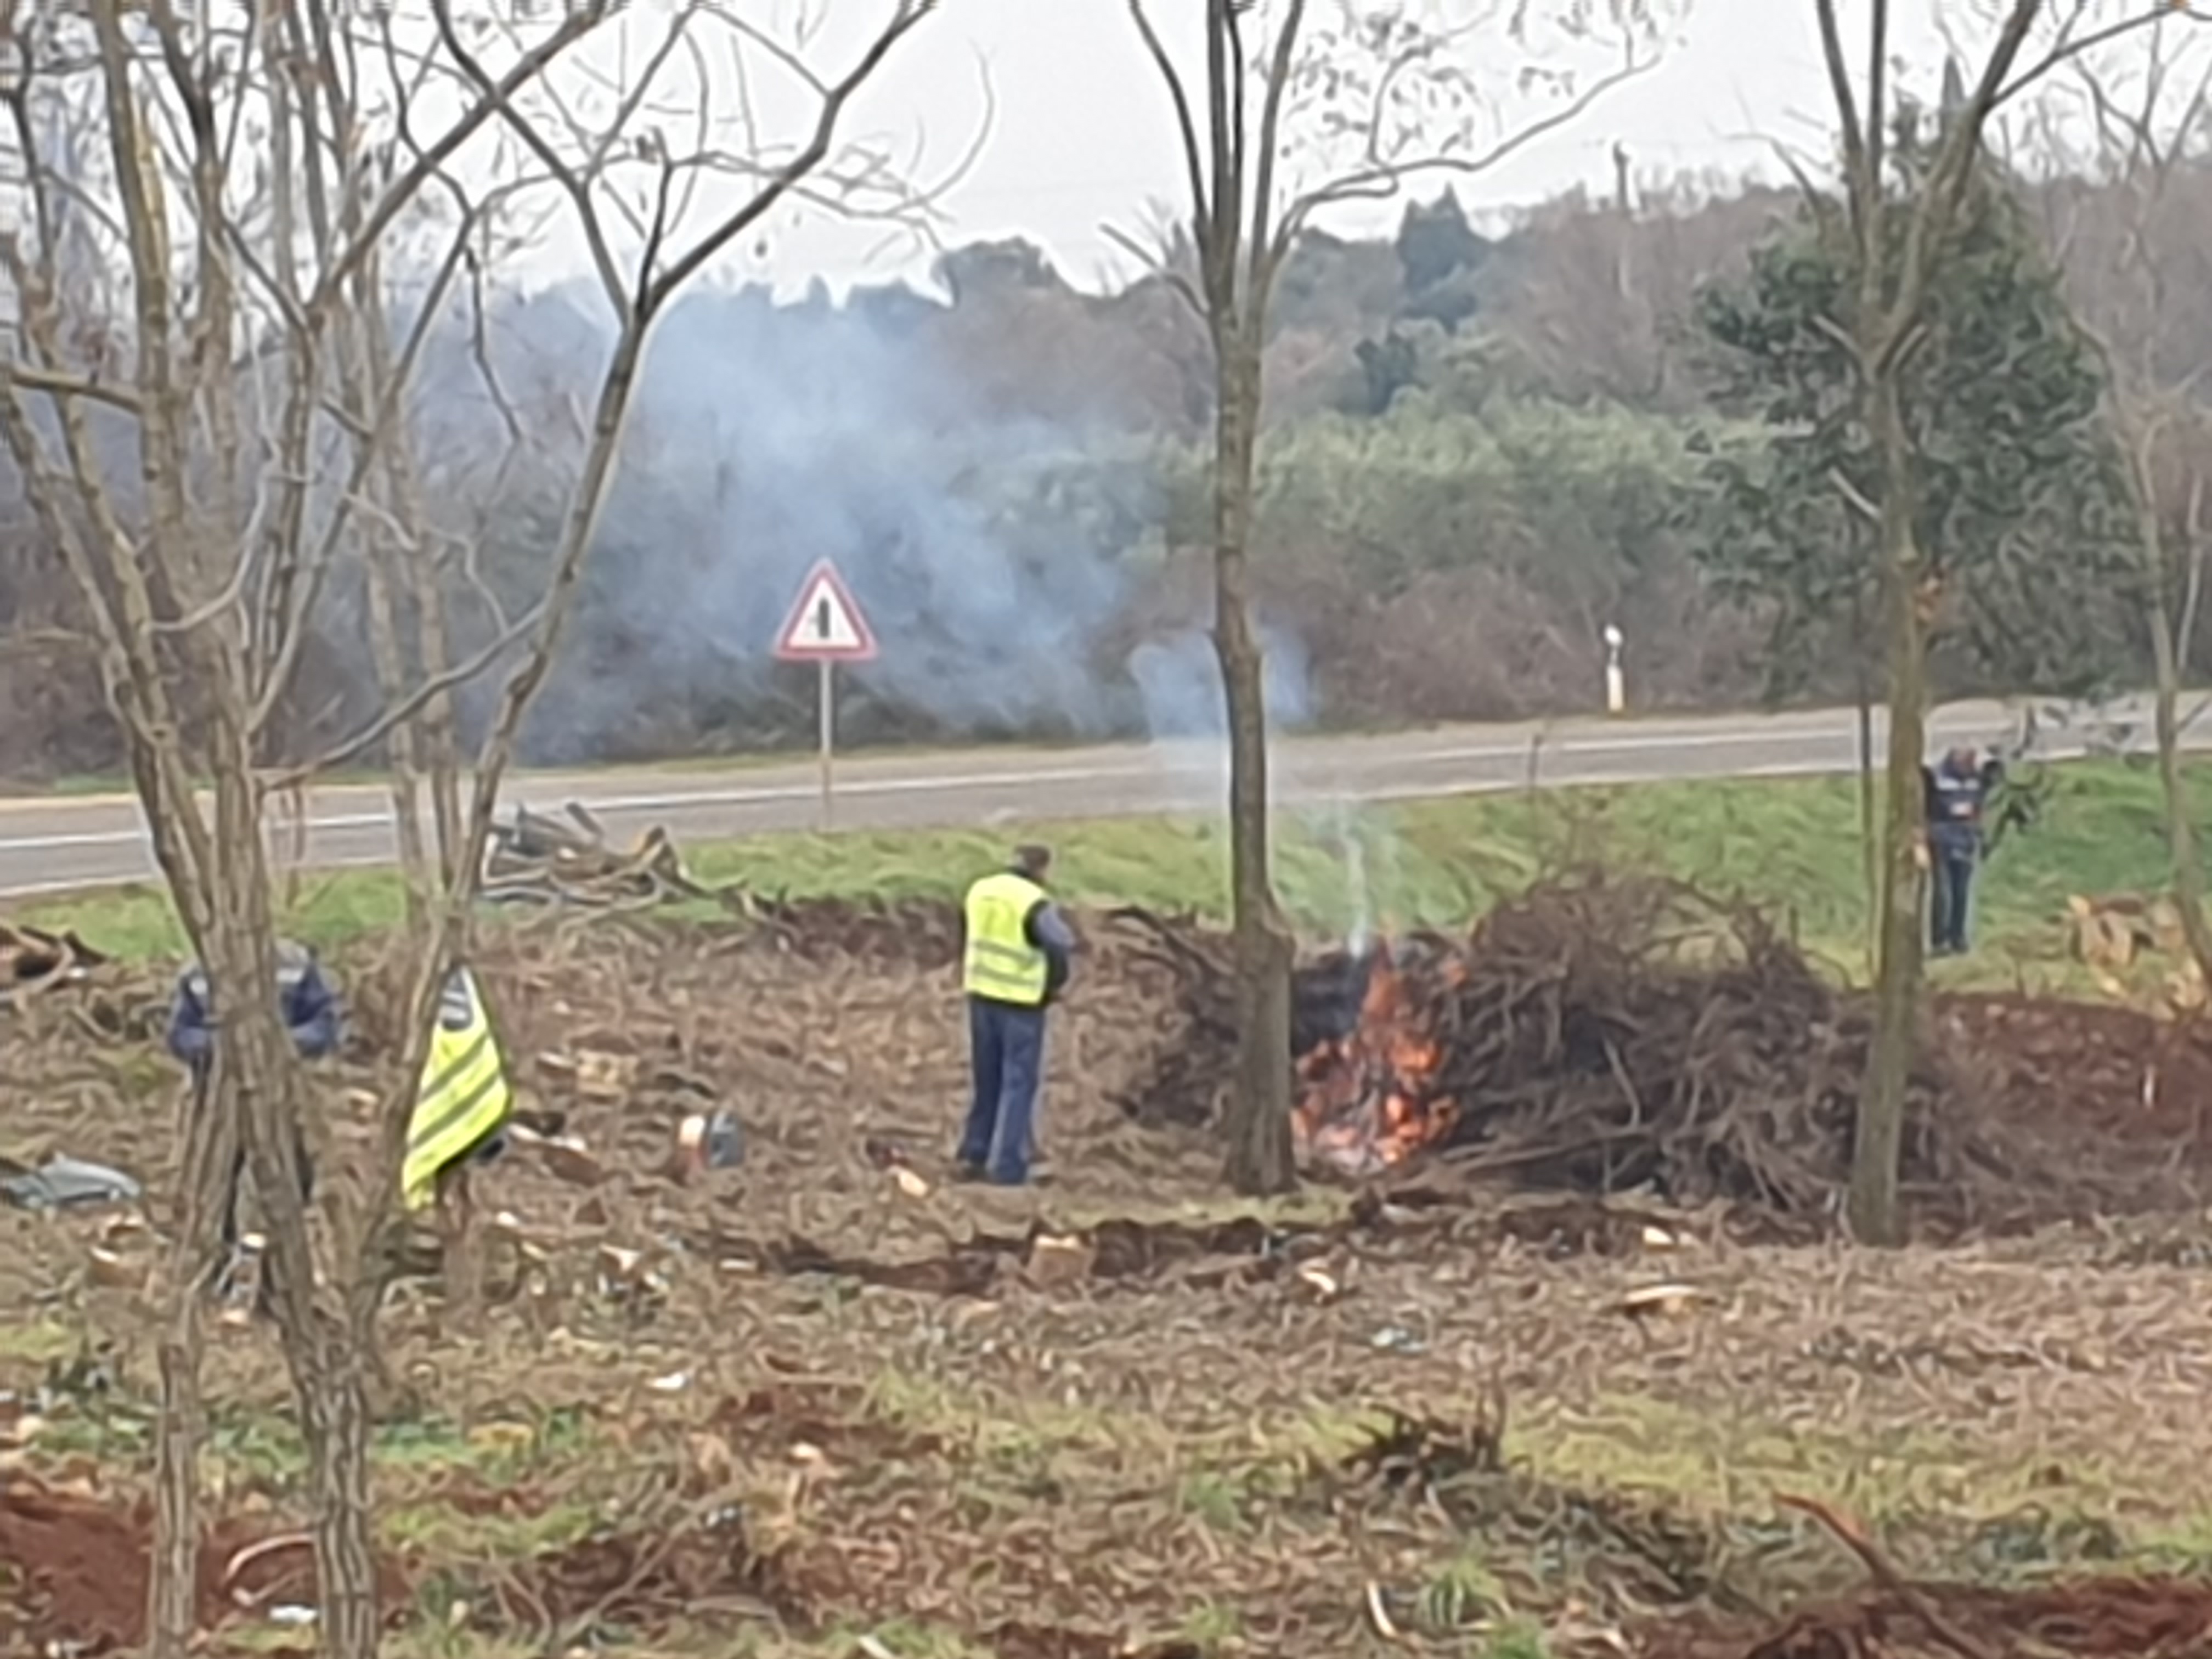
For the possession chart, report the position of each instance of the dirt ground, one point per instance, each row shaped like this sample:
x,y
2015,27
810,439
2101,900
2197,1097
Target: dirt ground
x,y
828,1402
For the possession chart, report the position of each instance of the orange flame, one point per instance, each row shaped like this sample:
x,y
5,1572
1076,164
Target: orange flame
x,y
1369,1100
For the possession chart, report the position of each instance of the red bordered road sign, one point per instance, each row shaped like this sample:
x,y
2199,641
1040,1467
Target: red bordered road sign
x,y
826,624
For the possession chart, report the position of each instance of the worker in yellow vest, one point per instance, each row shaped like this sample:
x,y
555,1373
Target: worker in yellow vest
x,y
462,1105
1015,960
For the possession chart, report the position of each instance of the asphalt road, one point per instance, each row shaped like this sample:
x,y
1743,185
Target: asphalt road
x,y
53,844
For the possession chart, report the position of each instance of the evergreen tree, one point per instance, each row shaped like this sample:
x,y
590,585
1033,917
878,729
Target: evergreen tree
x,y
2020,509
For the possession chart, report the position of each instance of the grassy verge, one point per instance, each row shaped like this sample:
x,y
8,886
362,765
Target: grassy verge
x,y
1790,845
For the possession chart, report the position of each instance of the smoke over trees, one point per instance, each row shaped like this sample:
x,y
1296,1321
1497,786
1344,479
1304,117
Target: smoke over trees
x,y
1484,450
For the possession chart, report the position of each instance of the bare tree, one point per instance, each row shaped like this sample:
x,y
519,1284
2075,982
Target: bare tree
x,y
1894,230
1288,118
236,234
2149,113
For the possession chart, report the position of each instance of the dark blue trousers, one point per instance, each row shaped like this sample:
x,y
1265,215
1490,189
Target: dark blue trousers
x,y
1950,900
1005,1044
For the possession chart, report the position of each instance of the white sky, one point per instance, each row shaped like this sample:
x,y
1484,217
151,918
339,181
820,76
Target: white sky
x,y
1081,137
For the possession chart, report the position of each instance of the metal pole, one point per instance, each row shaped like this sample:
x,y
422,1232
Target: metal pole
x,y
828,710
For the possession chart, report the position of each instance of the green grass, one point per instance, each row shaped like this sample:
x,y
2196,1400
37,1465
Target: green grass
x,y
1792,845
1733,1464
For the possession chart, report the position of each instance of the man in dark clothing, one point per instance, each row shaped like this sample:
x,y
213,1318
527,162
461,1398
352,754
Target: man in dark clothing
x,y
310,1008
1015,962
1957,792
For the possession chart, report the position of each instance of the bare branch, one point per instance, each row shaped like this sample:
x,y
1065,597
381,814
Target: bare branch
x,y
1194,154
908,16
2070,46
33,377
424,692
498,99
1151,260
1269,244
1947,185
1380,183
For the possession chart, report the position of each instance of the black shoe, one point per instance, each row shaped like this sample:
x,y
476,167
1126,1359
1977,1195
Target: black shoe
x,y
967,1174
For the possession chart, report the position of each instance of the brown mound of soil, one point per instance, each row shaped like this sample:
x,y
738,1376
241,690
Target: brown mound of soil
x,y
2062,1067
75,1572
2093,1619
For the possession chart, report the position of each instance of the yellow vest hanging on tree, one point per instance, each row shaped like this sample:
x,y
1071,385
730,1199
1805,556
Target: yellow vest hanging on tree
x,y
464,1099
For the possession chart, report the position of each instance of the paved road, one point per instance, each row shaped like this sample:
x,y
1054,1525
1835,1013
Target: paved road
x,y
53,844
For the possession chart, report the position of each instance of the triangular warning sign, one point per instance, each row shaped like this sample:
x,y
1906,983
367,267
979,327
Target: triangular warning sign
x,y
826,625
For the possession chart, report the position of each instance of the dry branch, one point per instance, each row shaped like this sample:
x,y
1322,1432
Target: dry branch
x,y
535,859
1853,1538
33,960
1594,1036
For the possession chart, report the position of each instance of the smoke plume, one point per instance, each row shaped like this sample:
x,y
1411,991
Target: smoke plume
x,y
998,561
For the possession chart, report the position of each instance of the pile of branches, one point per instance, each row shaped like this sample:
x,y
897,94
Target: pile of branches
x,y
1607,1035
1614,1034
535,859
33,960
1190,965
924,932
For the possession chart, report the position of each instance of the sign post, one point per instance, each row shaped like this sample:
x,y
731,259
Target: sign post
x,y
826,628
825,697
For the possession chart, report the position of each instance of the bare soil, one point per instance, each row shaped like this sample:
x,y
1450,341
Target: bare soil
x,y
2108,1619
78,1566
827,1389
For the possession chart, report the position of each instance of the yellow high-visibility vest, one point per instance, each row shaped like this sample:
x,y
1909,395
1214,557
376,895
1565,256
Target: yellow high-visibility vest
x,y
1000,962
463,1097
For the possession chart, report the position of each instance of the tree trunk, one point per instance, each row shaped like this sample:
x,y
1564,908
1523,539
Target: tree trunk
x,y
173,1600
1869,823
336,1426
2182,849
1879,1143
391,679
206,1144
366,373
461,1257
330,1352
326,1351
433,739
1260,1158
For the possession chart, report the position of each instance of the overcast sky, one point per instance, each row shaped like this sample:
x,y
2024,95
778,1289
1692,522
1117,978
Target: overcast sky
x,y
1078,137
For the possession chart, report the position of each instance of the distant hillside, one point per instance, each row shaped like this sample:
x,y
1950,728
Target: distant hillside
x,y
1482,449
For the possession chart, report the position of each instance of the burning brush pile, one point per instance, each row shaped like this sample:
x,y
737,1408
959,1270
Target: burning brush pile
x,y
1600,1035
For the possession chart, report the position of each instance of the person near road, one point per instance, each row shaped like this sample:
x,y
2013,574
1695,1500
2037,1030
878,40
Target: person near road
x,y
1958,791
309,1005
1016,958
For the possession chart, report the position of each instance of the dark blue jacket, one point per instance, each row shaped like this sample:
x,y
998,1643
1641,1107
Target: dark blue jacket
x,y
1048,931
1956,797
304,997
